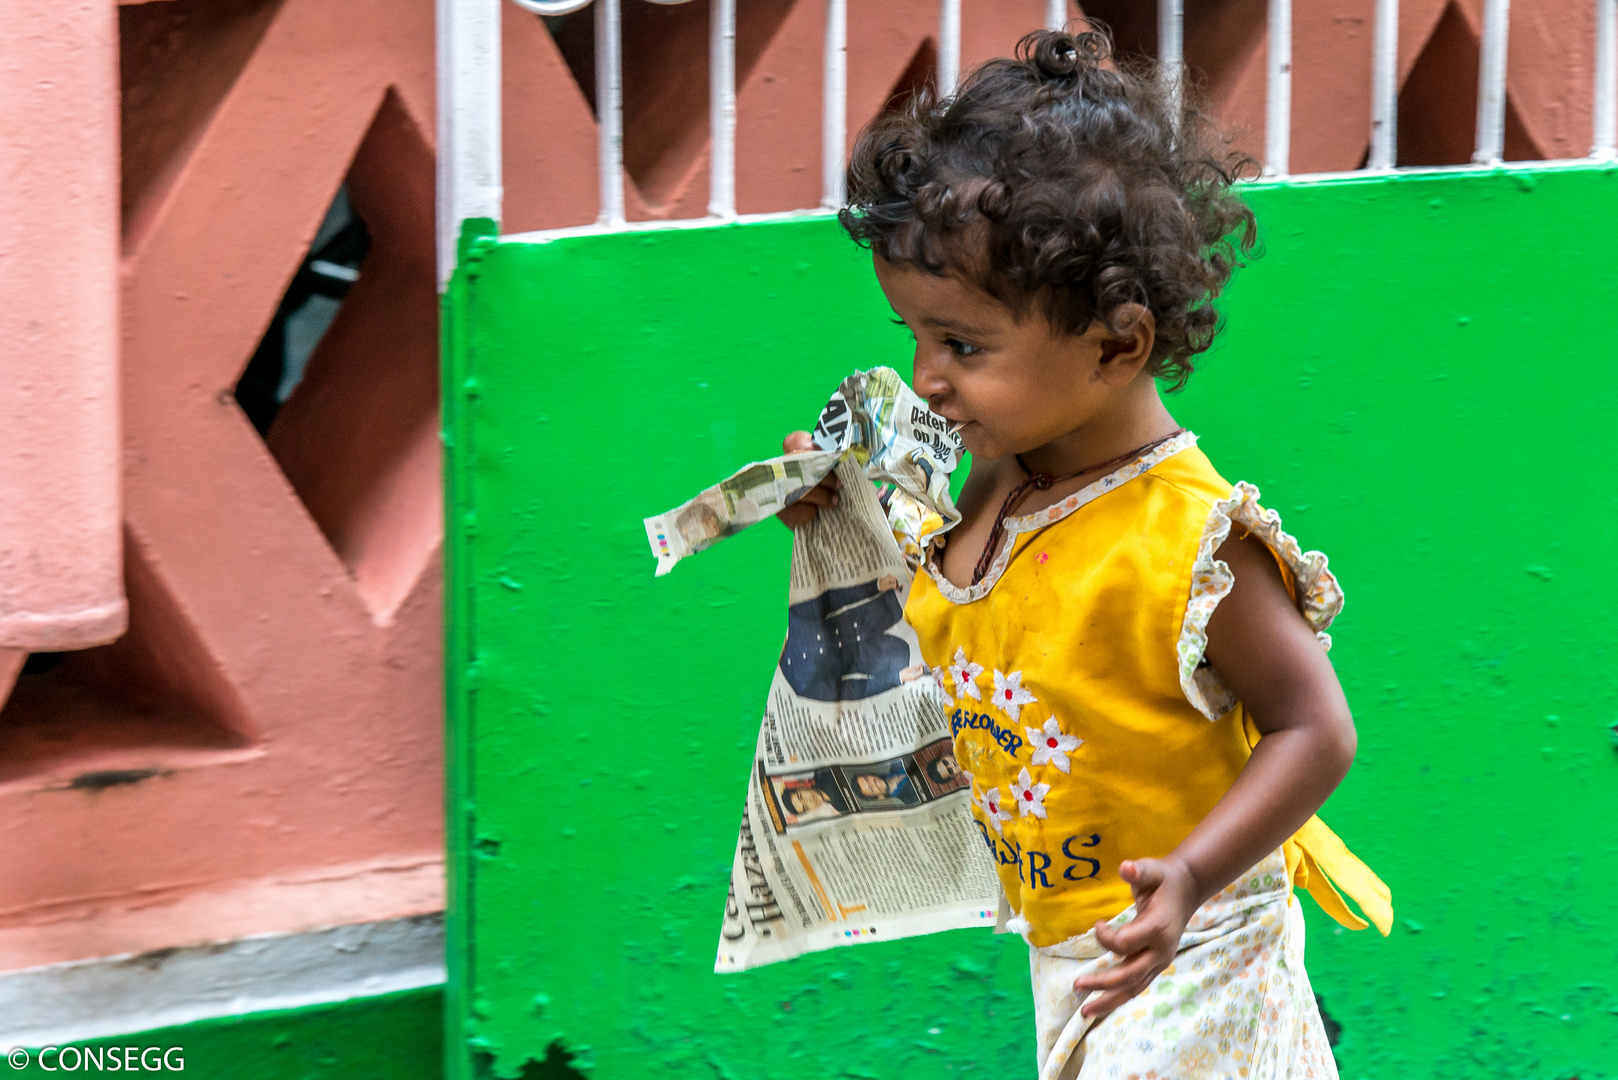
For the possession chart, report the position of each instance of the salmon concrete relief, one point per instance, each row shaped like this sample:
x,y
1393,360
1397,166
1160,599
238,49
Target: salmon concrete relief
x,y
261,750
60,581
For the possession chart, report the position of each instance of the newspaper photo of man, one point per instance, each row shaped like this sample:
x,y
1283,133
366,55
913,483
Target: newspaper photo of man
x,y
940,770
810,796
884,786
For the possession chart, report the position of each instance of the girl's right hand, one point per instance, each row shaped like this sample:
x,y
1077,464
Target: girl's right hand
x,y
823,494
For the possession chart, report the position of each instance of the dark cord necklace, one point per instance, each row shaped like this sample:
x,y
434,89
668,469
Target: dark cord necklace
x,y
1044,482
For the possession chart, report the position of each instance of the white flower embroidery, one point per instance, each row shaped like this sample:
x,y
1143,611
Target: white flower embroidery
x,y
1029,795
1051,746
1009,694
963,673
936,675
989,803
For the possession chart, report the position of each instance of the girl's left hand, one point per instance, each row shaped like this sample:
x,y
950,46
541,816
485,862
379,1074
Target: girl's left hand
x,y
1165,899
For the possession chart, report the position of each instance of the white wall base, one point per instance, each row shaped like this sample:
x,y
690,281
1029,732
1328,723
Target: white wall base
x,y
118,995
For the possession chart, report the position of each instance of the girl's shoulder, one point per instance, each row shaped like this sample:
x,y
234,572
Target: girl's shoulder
x,y
1215,508
1193,476
1227,510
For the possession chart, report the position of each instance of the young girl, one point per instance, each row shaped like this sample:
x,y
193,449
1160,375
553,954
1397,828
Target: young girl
x,y
1133,648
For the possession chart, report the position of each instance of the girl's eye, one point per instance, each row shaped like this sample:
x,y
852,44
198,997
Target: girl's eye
x,y
961,348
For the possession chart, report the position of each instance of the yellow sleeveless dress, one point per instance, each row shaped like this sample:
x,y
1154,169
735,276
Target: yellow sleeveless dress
x,y
1091,728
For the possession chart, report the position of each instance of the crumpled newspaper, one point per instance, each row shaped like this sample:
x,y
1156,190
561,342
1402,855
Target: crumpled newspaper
x,y
873,418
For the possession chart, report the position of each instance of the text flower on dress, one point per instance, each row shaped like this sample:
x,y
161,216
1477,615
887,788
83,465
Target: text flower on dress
x,y
989,803
963,673
1051,746
1030,796
1009,694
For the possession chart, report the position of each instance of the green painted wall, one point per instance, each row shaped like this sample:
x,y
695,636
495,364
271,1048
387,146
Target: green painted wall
x,y
386,1037
1415,375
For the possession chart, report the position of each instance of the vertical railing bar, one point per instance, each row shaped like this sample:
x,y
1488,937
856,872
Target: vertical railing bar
x,y
722,110
469,178
610,110
834,116
1605,143
1491,134
1385,87
1171,48
1278,91
1055,14
949,46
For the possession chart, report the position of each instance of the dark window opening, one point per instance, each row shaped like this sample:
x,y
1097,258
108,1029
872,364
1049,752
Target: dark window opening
x,y
304,314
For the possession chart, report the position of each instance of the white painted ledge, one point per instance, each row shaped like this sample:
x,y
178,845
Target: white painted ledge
x,y
121,995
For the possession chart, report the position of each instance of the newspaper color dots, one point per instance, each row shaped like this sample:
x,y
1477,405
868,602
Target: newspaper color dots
x,y
1030,797
869,931
1051,746
1009,693
963,673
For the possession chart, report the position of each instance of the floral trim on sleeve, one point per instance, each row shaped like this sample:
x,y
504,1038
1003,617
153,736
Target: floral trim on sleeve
x,y
1319,597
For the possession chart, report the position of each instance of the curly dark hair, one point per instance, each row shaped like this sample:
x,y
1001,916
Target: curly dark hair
x,y
1067,179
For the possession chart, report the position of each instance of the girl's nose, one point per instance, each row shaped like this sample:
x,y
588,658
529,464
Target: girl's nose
x,y
929,381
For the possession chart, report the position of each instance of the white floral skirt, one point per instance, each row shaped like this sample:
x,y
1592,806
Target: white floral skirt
x,y
1236,1002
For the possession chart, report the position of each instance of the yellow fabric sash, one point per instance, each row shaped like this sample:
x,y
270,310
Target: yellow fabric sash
x,y
1321,863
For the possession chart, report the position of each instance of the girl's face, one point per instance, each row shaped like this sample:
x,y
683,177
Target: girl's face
x,y
1010,384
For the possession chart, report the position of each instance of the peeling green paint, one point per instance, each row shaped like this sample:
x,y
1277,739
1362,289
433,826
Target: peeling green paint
x,y
1414,373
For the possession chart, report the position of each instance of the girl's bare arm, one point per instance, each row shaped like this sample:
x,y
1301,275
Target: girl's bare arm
x,y
1271,660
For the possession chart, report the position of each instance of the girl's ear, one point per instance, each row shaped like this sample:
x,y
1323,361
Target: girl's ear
x,y
1123,356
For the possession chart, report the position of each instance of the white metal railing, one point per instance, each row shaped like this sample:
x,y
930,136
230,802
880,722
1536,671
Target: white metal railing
x,y
1278,91
469,96
1384,86
1491,140
1171,47
949,46
834,115
468,43
610,110
1382,154
722,109
1605,143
